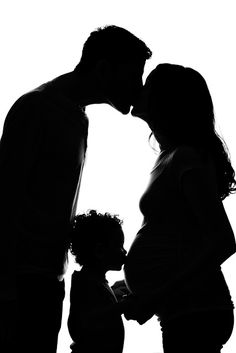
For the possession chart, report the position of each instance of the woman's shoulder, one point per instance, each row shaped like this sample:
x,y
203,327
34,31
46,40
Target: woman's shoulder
x,y
186,158
188,154
178,159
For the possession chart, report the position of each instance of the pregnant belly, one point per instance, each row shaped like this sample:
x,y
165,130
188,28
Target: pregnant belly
x,y
151,261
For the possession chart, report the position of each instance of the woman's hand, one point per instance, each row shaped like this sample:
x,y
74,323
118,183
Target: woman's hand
x,y
120,289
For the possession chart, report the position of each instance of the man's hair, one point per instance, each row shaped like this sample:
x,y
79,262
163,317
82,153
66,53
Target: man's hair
x,y
89,229
114,44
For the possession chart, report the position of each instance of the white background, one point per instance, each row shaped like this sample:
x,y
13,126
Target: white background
x,y
41,39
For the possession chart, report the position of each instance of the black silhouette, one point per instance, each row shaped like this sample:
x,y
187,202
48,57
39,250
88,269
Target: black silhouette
x,y
173,266
95,322
42,152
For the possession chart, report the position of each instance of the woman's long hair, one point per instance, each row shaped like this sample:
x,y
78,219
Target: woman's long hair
x,y
180,107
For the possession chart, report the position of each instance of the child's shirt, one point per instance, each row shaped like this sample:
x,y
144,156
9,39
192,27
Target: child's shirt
x,y
94,322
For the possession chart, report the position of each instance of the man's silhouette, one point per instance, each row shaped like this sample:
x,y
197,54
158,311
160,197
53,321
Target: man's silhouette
x,y
42,152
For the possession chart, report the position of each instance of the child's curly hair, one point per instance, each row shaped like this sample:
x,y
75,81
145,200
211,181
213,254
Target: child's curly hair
x,y
89,229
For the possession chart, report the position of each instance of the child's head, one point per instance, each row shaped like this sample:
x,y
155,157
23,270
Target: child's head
x,y
98,239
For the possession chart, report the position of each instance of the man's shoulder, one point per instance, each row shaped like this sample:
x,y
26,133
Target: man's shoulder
x,y
38,94
44,103
22,109
28,99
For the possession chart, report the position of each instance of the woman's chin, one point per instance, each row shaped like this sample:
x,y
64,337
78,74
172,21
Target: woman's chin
x,y
138,114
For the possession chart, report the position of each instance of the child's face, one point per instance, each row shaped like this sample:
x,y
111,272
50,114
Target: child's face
x,y
114,254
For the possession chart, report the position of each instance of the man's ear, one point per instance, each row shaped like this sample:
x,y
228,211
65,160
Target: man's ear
x,y
103,70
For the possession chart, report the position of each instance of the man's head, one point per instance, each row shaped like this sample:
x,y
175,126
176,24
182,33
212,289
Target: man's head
x,y
117,58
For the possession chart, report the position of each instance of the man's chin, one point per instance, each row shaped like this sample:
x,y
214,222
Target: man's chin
x,y
123,109
132,112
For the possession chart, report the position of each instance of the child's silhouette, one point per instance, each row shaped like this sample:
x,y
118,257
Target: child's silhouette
x,y
94,322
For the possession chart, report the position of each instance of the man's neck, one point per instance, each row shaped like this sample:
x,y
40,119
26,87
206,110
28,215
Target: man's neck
x,y
79,88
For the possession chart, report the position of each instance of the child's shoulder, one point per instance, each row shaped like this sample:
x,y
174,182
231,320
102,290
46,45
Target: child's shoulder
x,y
81,284
80,278
76,278
88,288
85,278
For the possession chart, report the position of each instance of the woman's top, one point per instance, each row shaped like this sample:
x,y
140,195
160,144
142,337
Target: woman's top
x,y
94,323
171,238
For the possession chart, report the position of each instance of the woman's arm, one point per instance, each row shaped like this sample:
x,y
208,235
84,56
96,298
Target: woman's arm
x,y
200,192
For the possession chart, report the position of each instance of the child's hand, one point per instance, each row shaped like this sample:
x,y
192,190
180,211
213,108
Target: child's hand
x,y
137,309
120,289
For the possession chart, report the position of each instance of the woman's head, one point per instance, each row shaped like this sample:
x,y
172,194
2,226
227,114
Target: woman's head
x,y
178,105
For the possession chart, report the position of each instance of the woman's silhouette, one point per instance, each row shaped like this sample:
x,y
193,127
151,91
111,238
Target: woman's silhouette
x,y
174,264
